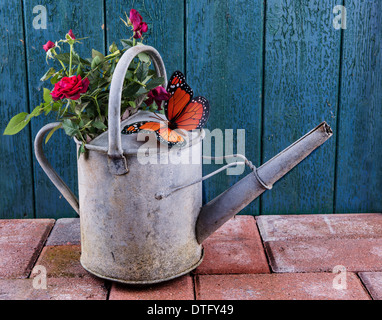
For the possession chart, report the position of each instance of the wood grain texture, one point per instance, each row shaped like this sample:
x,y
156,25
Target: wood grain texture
x,y
16,180
165,21
359,168
85,18
301,86
224,64
277,79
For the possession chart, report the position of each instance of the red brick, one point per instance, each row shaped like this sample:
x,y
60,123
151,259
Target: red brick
x,y
322,226
178,289
86,288
62,261
66,231
238,228
373,283
235,248
291,286
324,255
20,244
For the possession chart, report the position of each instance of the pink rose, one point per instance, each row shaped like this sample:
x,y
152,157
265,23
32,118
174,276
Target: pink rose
x,y
138,25
71,34
158,95
70,87
49,45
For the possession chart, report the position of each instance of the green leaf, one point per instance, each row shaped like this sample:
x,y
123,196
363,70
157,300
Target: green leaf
x,y
127,44
81,149
155,83
79,108
96,62
142,71
113,48
144,57
16,124
51,132
76,60
131,89
99,125
142,91
79,71
48,107
47,96
71,128
96,53
56,106
55,78
132,104
37,111
48,74
129,75
63,57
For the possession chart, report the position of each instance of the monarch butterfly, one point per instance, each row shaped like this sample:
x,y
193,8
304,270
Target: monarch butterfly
x,y
182,111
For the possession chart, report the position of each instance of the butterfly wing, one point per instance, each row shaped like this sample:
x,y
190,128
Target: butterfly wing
x,y
181,94
139,126
170,137
182,110
194,115
163,133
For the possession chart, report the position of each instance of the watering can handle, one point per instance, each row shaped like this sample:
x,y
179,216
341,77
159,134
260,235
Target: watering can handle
x,y
116,160
48,169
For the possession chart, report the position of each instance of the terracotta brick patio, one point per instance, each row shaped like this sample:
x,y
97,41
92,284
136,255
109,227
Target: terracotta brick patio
x,y
263,258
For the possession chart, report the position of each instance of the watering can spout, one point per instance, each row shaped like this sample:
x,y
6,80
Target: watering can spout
x,y
215,213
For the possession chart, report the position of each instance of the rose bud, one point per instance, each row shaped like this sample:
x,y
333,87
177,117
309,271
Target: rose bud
x,y
158,95
49,45
139,26
71,34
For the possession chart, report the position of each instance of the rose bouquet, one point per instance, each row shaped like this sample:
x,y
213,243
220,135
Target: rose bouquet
x,y
80,94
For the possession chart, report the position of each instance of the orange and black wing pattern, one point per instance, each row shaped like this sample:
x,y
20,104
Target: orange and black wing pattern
x,y
136,127
194,115
163,133
182,112
181,94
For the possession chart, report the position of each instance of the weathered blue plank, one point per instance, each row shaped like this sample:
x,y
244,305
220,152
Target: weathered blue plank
x,y
359,168
85,18
165,21
220,47
301,90
16,180
224,64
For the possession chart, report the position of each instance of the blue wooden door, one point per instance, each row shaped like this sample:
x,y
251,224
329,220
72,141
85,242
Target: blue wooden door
x,y
275,68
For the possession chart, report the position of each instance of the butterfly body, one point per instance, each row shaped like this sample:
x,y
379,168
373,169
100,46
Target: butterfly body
x,y
182,111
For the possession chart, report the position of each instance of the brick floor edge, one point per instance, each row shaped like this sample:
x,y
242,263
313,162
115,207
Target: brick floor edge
x,y
237,266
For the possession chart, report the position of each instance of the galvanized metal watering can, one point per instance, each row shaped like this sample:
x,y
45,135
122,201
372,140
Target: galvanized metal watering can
x,y
144,222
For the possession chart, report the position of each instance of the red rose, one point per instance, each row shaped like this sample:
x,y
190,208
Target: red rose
x,y
138,25
71,34
70,87
158,95
49,45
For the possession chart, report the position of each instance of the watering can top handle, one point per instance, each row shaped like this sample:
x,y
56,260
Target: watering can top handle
x,y
117,161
